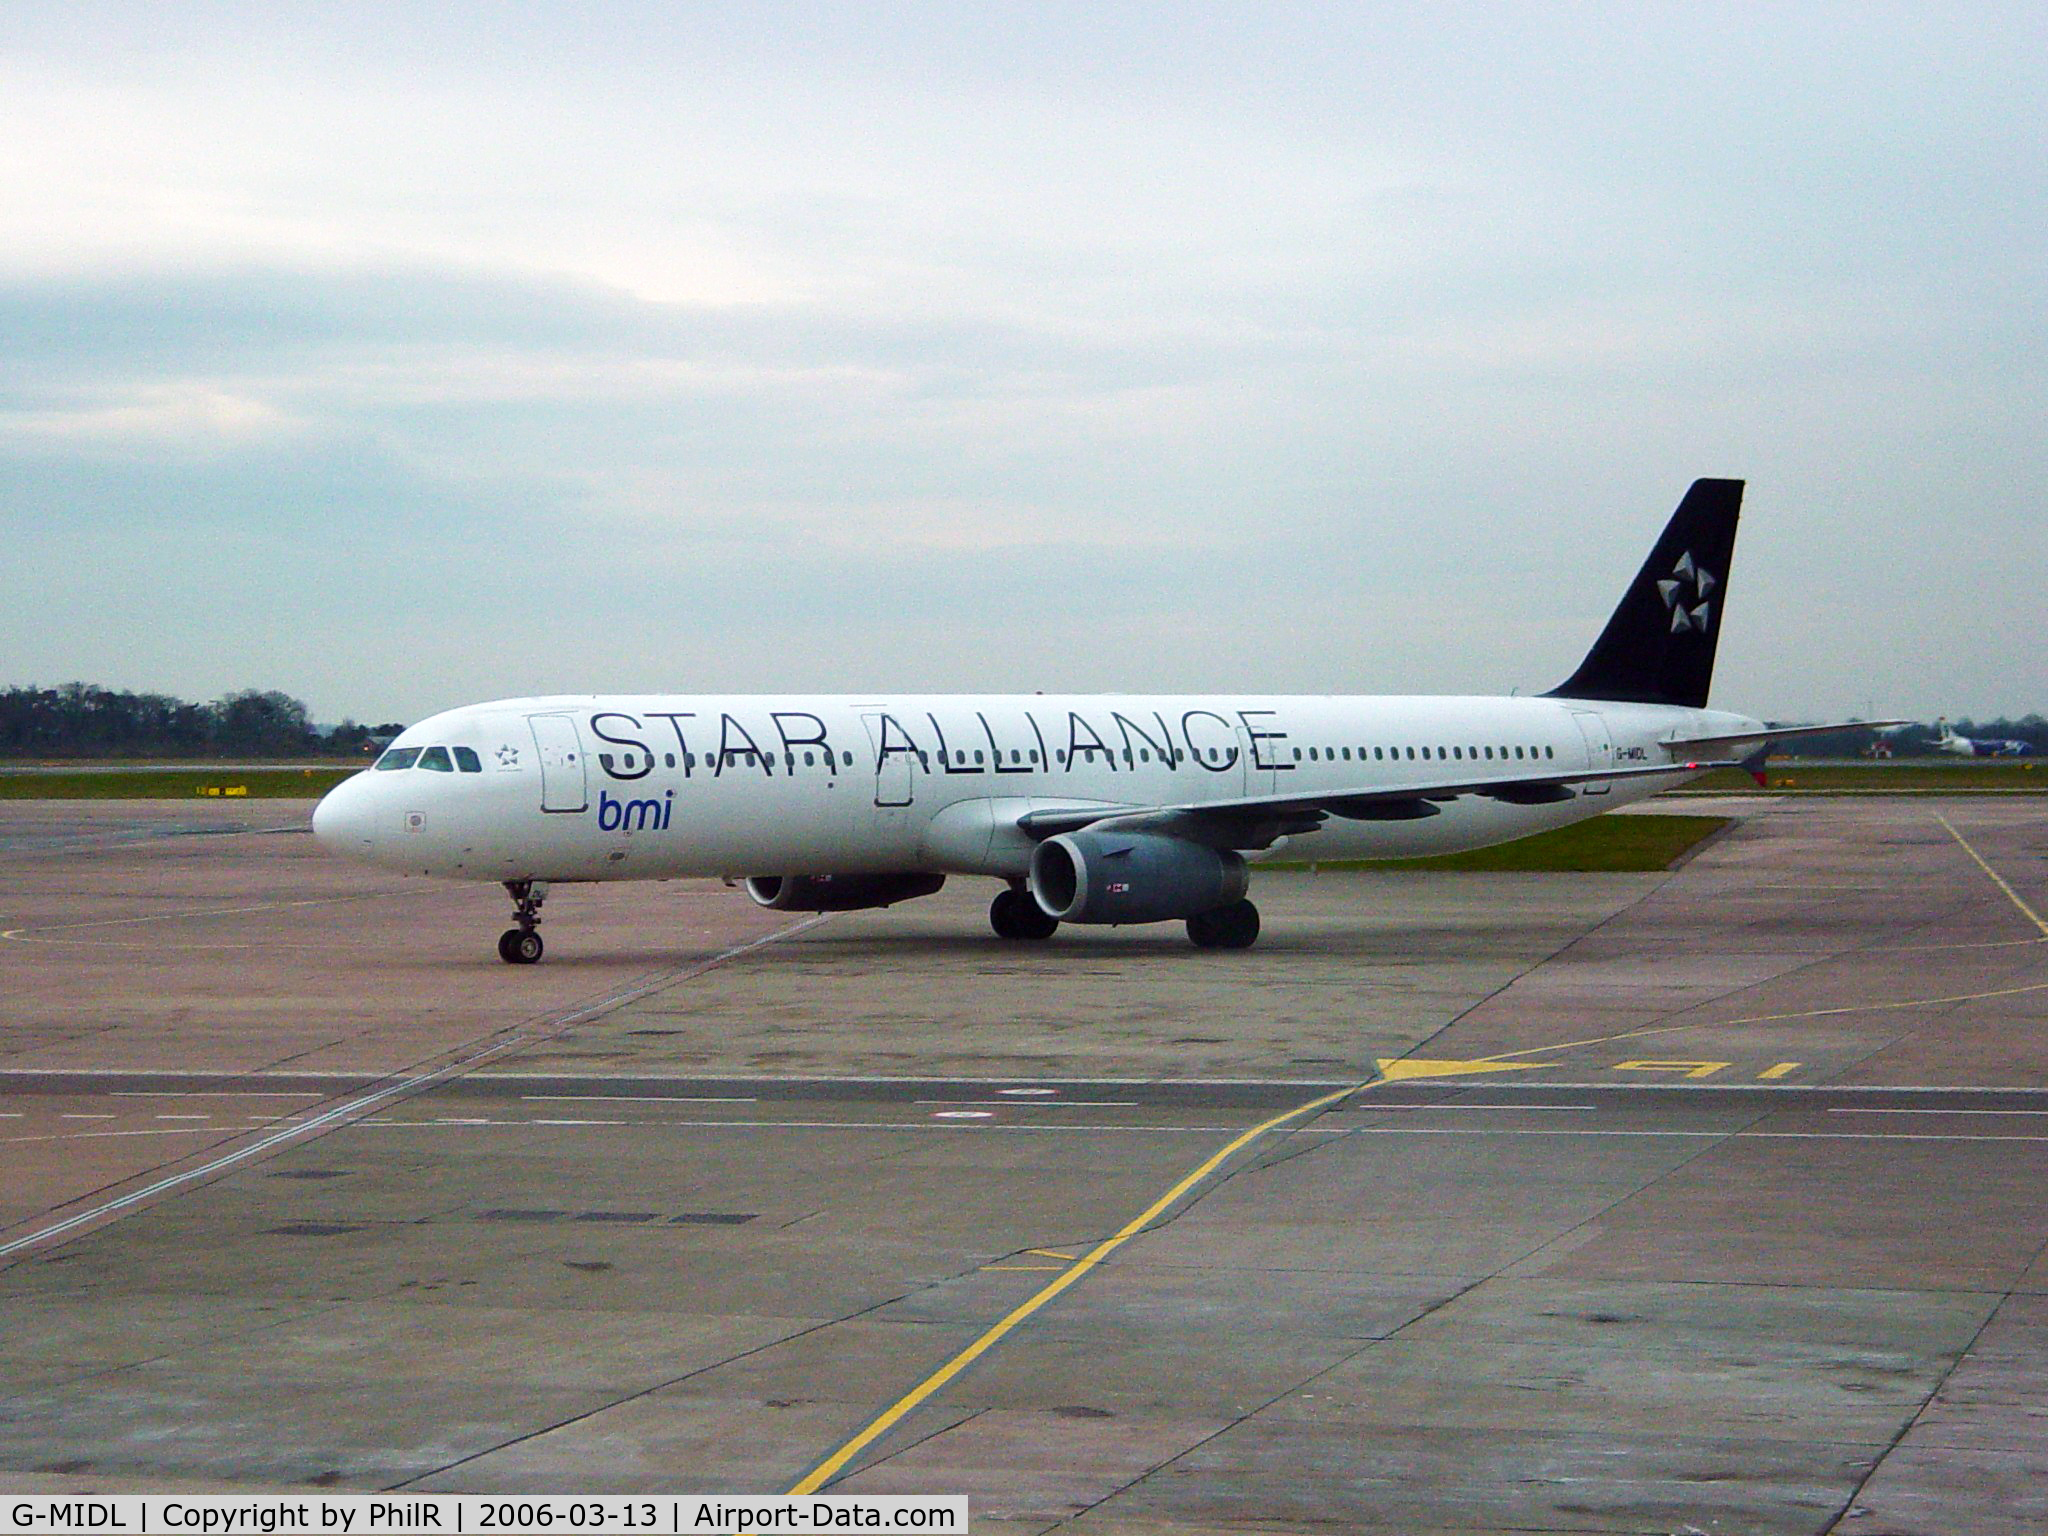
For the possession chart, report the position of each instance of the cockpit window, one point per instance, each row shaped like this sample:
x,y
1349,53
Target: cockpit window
x,y
436,758
397,757
466,759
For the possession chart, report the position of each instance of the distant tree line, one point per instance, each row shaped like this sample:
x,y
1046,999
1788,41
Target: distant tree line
x,y
83,720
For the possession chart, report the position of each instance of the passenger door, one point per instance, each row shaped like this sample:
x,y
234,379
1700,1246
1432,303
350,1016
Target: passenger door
x,y
892,773
563,784
1599,749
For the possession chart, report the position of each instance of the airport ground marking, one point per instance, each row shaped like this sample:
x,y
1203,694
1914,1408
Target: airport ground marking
x,y
1782,1069
1892,1006
354,1108
825,1471
1677,1068
25,935
1400,1069
1999,880
1774,1018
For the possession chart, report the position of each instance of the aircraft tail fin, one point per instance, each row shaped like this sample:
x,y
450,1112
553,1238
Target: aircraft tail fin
x,y
1658,648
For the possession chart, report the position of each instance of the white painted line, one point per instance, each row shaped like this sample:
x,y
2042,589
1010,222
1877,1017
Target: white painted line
x,y
1840,1110
963,1114
637,1098
990,1124
85,1117
1027,1090
182,1130
1366,1104
1810,1089
955,1122
184,1117
212,1093
517,1039
1043,1104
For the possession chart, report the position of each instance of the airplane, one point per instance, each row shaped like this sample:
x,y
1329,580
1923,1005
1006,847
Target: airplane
x,y
1946,740
1090,809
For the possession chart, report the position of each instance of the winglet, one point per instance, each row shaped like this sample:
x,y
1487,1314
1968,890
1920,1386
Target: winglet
x,y
1753,765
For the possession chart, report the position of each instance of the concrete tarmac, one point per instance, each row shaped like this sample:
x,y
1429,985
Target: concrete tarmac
x,y
1741,1228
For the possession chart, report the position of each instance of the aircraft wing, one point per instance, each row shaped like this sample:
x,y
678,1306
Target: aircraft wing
x,y
1257,821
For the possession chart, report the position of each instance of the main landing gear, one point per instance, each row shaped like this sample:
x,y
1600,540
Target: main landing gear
x,y
1014,915
521,945
1233,927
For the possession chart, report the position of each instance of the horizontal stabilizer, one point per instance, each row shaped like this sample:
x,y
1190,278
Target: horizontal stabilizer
x,y
1783,733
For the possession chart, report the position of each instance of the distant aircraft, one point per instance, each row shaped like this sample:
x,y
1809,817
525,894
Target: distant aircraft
x,y
1946,740
1090,809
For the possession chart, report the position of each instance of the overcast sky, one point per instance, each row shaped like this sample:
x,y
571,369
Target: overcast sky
x,y
402,357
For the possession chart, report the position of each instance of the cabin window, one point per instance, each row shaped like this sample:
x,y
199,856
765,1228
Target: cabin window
x,y
1518,752
1062,756
1489,753
396,758
466,759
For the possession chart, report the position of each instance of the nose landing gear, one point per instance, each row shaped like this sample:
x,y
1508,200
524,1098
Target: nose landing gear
x,y
521,945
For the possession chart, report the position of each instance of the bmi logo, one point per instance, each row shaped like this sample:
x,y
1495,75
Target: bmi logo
x,y
634,815
1685,594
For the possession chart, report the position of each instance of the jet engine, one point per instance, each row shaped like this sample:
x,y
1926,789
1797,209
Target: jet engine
x,y
838,893
1132,877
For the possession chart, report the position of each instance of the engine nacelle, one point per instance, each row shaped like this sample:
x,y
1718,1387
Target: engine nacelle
x,y
1132,877
838,893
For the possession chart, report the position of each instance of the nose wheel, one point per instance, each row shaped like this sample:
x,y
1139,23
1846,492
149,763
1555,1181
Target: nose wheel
x,y
522,945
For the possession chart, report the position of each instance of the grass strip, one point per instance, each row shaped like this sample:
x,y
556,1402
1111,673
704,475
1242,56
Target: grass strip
x,y
174,784
1606,844
1852,778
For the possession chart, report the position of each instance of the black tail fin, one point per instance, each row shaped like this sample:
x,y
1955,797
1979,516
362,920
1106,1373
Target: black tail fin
x,y
1659,646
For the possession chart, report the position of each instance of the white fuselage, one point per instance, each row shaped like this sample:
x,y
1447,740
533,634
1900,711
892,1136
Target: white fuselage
x,y
651,787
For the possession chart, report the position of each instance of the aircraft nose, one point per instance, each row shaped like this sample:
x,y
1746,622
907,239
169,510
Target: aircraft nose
x,y
341,821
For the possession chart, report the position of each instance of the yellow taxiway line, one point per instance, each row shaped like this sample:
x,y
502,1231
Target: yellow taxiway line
x,y
2011,895
1390,1070
887,1419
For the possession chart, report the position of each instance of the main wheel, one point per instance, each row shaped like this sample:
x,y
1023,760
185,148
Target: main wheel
x,y
1014,915
1233,927
519,946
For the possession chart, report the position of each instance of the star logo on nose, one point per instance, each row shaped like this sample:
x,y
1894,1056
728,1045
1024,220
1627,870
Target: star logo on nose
x,y
1685,595
508,756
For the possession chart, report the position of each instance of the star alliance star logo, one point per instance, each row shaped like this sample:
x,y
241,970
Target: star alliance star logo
x,y
1685,594
508,757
